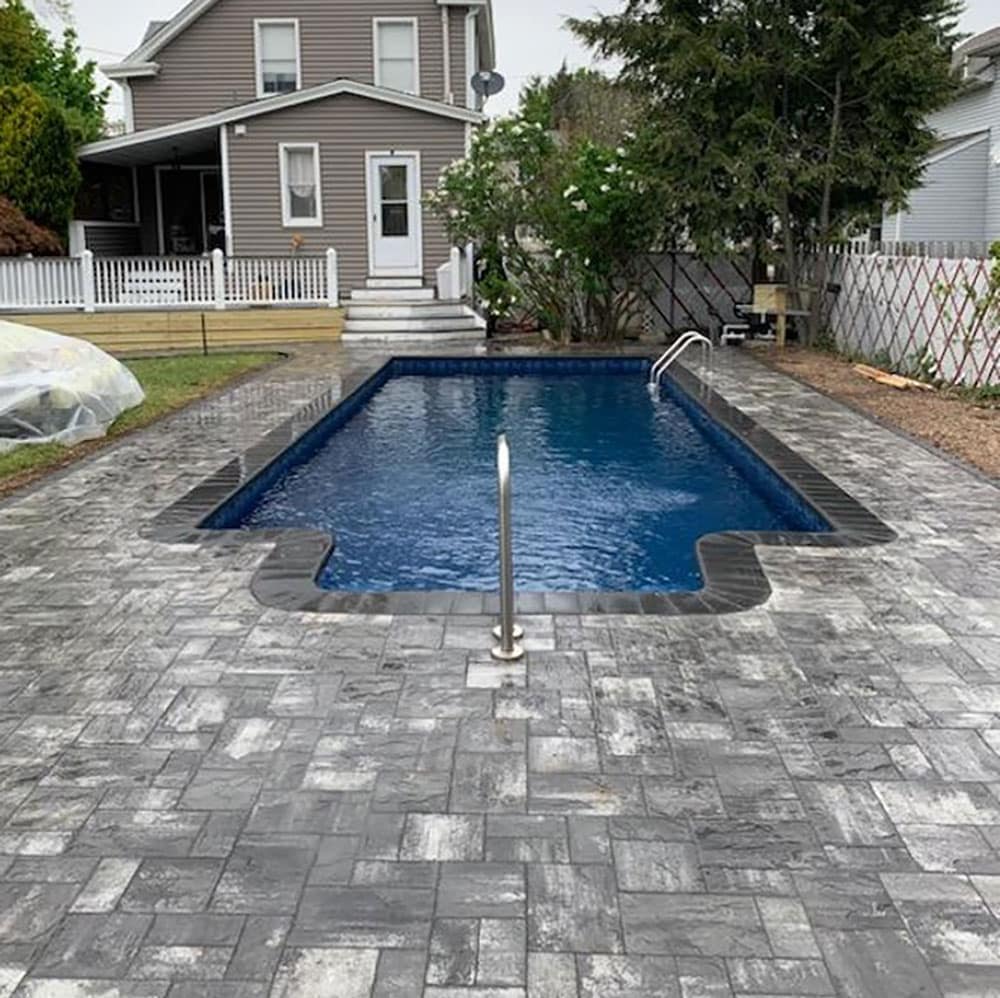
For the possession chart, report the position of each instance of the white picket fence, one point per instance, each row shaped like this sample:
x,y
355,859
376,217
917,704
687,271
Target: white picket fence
x,y
215,281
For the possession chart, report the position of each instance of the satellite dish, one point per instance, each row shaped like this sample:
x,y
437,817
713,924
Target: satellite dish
x,y
486,83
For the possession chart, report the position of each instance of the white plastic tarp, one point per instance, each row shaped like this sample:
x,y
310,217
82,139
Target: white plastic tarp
x,y
58,389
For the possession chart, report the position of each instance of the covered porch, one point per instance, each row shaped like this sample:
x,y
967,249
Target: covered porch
x,y
163,197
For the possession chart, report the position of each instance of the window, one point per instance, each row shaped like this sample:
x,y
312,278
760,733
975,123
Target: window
x,y
277,57
301,201
396,62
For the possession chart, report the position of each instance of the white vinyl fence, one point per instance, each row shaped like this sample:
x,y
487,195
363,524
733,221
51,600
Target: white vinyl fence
x,y
215,281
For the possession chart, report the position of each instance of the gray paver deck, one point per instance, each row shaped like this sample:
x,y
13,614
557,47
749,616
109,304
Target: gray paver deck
x,y
202,797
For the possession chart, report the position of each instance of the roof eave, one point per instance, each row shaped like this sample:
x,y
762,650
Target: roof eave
x,y
127,71
269,105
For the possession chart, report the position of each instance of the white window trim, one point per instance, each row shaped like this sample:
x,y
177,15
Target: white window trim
x,y
258,67
471,56
286,218
415,22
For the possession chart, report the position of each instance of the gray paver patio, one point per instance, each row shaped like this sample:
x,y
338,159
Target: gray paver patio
x,y
203,797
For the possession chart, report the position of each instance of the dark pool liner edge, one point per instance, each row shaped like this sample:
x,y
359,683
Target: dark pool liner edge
x,y
734,578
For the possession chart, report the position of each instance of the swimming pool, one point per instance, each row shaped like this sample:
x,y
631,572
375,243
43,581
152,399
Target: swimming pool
x,y
612,488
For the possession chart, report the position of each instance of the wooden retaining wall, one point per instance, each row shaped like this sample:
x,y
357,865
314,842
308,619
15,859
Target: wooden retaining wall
x,y
167,331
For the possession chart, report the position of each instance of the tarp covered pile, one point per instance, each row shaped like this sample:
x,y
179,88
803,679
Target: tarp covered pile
x,y
58,389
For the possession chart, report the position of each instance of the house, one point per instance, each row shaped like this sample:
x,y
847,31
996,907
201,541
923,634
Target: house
x,y
271,129
959,199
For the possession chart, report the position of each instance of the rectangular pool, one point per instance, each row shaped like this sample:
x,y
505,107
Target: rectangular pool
x,y
612,488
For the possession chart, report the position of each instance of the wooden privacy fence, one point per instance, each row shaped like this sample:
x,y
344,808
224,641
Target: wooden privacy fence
x,y
924,316
215,281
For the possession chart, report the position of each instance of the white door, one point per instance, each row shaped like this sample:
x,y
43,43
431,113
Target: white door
x,y
394,236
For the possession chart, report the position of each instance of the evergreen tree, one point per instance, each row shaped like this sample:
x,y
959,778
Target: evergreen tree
x,y
783,121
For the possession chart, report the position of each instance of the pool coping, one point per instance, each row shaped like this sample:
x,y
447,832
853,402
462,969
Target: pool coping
x,y
734,578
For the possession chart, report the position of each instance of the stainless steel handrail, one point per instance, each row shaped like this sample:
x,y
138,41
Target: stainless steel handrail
x,y
508,650
691,336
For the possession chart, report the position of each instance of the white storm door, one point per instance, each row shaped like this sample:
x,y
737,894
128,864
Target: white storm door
x,y
394,232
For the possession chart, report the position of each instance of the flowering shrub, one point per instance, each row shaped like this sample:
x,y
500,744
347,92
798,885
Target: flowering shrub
x,y
561,226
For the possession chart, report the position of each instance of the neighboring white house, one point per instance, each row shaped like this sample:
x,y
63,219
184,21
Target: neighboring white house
x,y
960,196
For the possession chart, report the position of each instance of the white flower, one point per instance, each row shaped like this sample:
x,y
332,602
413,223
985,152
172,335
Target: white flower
x,y
622,151
517,130
453,212
558,254
570,191
630,135
605,188
581,205
613,168
586,262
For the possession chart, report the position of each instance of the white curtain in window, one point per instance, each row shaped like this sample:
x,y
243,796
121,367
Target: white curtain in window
x,y
300,173
397,56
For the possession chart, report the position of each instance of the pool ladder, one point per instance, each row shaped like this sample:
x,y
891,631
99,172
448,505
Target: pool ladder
x,y
687,339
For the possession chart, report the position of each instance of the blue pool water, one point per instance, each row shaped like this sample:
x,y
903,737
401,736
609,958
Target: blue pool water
x,y
611,488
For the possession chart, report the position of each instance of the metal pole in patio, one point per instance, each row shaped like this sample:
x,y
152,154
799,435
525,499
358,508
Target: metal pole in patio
x,y
508,650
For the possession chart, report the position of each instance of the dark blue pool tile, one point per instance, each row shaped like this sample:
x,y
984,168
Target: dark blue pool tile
x,y
734,579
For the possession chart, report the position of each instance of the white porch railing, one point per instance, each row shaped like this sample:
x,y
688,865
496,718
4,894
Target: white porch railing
x,y
215,281
456,278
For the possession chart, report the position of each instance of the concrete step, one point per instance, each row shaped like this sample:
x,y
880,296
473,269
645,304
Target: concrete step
x,y
411,310
413,336
394,282
429,325
392,295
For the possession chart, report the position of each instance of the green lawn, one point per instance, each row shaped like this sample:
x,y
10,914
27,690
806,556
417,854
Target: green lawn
x,y
169,383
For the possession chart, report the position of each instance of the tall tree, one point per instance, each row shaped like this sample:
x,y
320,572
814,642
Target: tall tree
x,y
38,169
580,104
781,122
28,54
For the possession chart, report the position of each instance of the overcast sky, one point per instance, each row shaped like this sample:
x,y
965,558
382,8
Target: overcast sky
x,y
530,34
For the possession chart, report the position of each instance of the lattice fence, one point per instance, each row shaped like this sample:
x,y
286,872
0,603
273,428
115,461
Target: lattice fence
x,y
919,315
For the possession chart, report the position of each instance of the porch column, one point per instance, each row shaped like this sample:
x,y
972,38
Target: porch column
x,y
227,199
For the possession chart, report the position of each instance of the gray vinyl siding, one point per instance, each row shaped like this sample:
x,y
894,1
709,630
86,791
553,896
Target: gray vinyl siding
x,y
345,127
960,196
951,204
211,65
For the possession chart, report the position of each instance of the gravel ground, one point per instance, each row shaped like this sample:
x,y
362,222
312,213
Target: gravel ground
x,y
967,430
